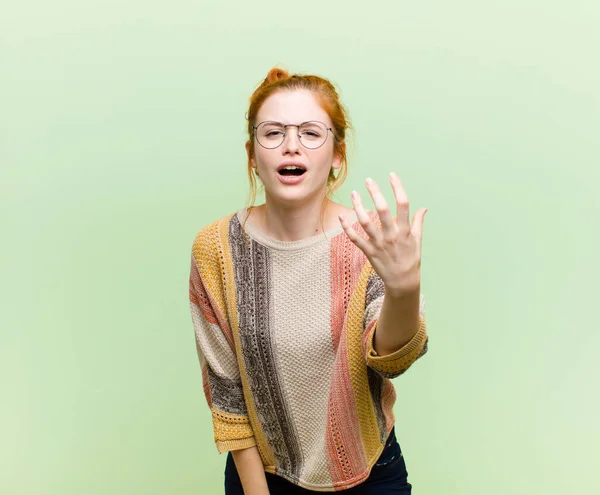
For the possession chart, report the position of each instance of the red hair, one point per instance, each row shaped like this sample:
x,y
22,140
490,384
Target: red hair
x,y
279,80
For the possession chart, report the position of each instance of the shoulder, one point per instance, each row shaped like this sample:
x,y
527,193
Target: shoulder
x,y
208,239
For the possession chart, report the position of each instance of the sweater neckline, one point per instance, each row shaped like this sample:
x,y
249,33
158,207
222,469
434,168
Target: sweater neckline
x,y
258,235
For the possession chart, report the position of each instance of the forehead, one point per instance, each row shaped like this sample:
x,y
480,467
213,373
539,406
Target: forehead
x,y
292,107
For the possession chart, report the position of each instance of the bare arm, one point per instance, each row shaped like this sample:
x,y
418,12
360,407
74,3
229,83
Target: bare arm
x,y
251,470
398,322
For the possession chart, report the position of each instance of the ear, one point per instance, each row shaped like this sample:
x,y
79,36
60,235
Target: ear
x,y
337,159
252,162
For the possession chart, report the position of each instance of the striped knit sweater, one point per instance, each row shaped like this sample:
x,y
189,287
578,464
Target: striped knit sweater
x,y
284,334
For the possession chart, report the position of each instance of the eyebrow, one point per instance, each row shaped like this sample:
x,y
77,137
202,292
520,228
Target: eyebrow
x,y
303,122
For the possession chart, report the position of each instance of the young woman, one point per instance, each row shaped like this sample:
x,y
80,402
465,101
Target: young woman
x,y
304,309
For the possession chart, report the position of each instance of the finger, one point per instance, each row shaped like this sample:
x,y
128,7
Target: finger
x,y
362,243
401,202
363,216
385,215
417,227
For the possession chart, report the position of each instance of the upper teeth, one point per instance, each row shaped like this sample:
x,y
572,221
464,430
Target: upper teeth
x,y
292,167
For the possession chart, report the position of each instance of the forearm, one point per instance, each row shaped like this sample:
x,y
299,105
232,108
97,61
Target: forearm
x,y
398,322
251,471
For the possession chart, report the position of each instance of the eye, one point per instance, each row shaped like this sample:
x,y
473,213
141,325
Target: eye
x,y
311,134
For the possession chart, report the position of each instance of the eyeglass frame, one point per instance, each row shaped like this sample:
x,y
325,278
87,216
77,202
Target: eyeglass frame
x,y
254,127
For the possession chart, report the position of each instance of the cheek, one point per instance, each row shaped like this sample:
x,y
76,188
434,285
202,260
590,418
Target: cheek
x,y
262,155
323,158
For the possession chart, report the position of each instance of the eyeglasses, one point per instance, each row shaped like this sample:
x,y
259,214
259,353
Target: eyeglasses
x,y
311,134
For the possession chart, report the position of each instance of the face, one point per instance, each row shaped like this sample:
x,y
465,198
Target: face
x,y
294,107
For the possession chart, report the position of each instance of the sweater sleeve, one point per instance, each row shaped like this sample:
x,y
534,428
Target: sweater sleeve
x,y
220,372
396,363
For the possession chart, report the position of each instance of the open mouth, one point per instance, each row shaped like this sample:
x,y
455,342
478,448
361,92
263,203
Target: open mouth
x,y
294,171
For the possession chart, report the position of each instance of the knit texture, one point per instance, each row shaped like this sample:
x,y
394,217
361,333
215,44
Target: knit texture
x,y
284,334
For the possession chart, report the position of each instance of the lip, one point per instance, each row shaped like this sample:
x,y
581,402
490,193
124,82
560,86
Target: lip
x,y
285,164
291,179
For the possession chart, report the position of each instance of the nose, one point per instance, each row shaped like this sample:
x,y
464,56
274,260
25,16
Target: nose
x,y
291,141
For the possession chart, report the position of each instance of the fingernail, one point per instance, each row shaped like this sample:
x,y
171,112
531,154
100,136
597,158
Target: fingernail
x,y
369,180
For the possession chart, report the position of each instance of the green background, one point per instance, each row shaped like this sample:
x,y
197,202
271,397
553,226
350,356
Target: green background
x,y
123,134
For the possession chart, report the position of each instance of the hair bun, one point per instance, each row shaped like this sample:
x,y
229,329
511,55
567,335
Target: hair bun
x,y
276,74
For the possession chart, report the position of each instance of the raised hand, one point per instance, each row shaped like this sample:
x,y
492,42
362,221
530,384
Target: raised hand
x,y
394,250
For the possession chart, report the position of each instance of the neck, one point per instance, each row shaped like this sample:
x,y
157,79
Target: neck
x,y
293,223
